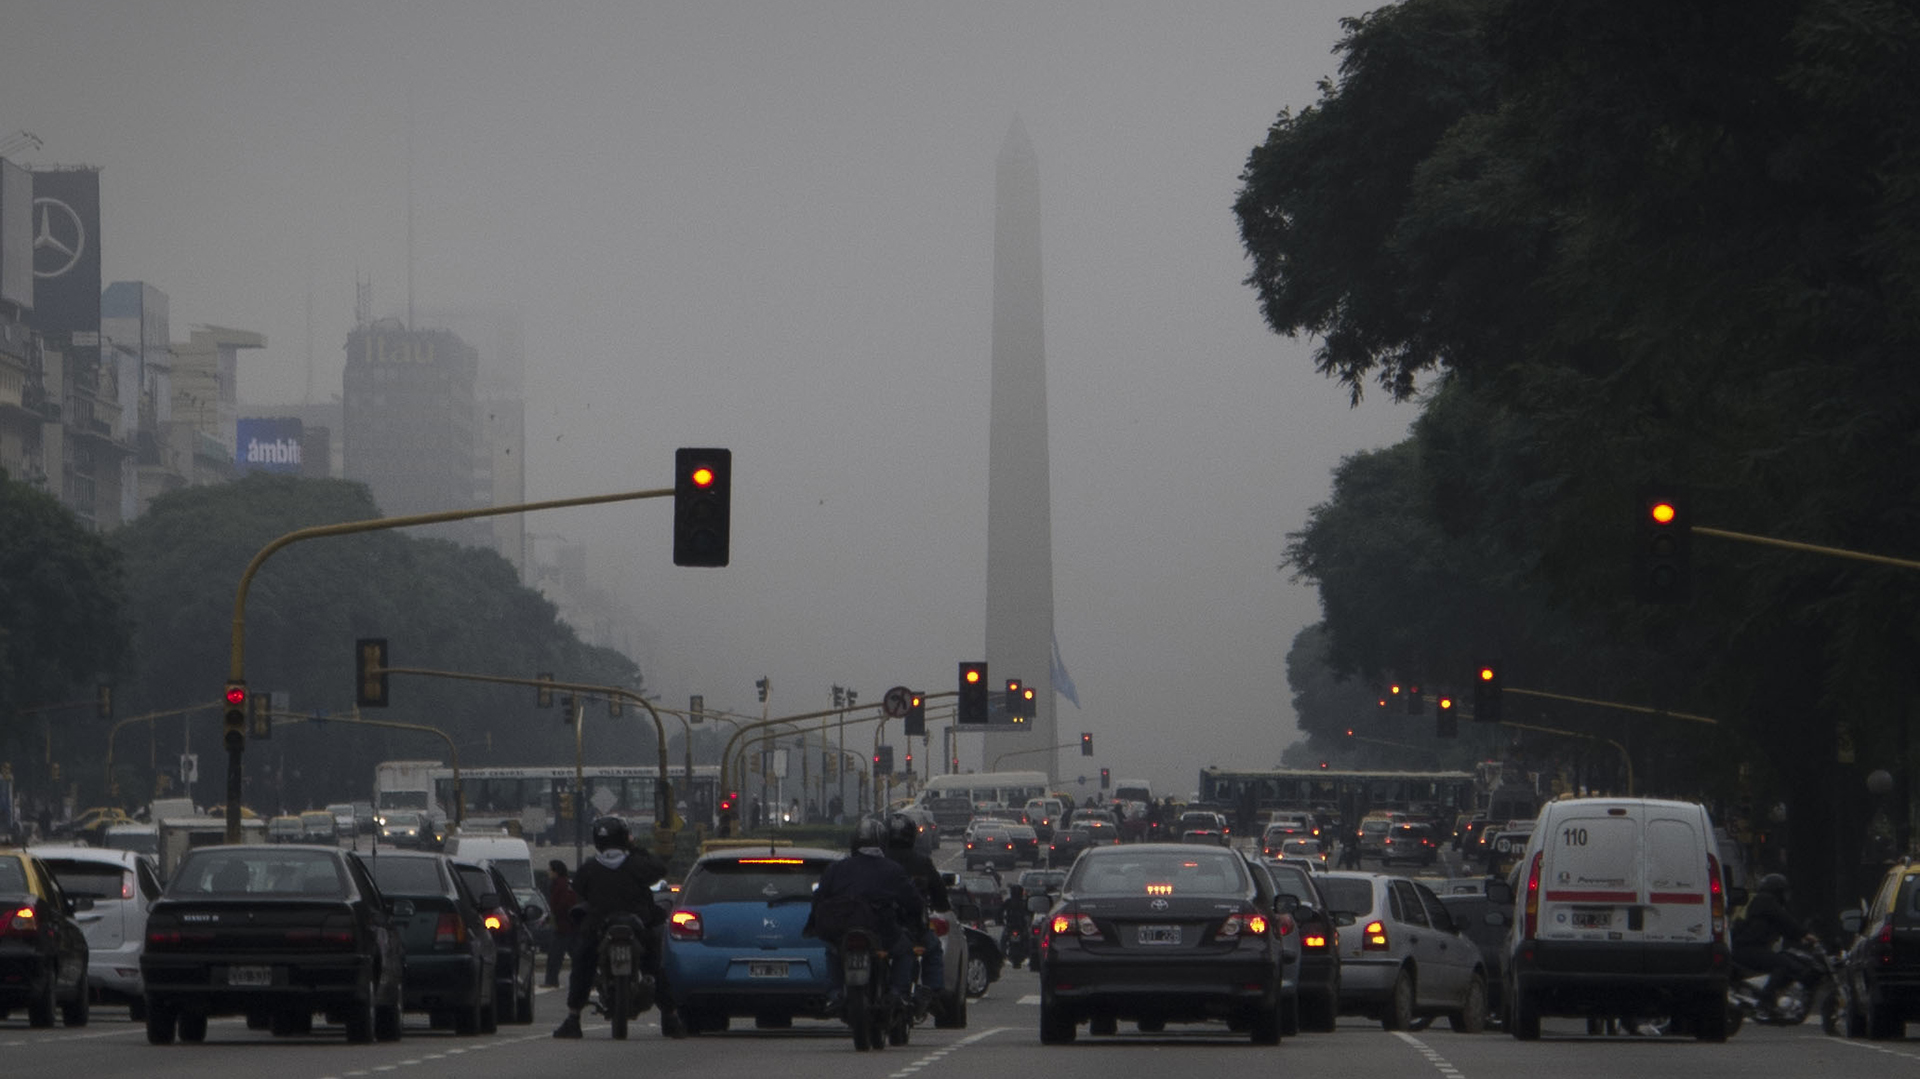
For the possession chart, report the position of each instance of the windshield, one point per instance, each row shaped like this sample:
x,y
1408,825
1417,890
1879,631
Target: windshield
x,y
1125,872
407,876
1348,895
745,880
211,871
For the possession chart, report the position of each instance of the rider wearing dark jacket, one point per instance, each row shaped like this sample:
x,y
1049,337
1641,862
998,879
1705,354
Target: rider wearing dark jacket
x,y
1765,922
902,833
870,876
616,880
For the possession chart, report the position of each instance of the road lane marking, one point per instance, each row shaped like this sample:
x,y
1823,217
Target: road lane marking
x,y
934,1056
1439,1062
1864,1045
491,1043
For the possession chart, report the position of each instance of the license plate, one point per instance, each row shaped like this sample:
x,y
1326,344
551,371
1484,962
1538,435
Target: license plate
x,y
1592,919
621,959
1159,934
255,976
857,968
766,970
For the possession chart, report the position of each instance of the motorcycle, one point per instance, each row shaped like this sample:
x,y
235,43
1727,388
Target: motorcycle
x,y
1817,991
623,989
1014,937
876,1018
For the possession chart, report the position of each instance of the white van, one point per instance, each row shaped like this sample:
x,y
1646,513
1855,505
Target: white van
x,y
1622,913
510,854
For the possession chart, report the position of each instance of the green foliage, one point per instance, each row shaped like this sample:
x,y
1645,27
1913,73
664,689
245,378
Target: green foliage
x,y
61,593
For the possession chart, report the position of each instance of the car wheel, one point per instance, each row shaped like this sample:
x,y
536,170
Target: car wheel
x,y
1711,1022
950,1013
356,1015
1150,1026
1472,1017
160,1025
1103,1025
1524,1021
387,1023
978,976
74,1013
1326,1012
523,1005
1056,1027
1398,1014
41,1008
193,1027
1856,1021
1290,1015
1884,1024
1266,1025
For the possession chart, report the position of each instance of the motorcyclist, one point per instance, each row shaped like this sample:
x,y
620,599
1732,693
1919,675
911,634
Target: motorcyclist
x,y
618,879
1765,922
902,834
886,890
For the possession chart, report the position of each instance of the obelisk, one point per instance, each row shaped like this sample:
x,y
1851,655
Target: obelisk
x,y
1019,507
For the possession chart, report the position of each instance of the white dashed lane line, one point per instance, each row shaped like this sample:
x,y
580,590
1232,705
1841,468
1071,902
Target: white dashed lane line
x,y
1870,1046
930,1058
477,1047
1439,1062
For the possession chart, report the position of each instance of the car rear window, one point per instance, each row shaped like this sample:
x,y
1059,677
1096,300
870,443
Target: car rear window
x,y
12,877
1159,873
91,880
407,876
746,880
305,874
1349,895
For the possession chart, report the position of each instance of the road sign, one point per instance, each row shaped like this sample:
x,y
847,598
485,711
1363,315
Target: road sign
x,y
189,767
603,801
897,701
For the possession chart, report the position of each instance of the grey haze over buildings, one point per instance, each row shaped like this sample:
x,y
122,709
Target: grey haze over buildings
x,y
770,227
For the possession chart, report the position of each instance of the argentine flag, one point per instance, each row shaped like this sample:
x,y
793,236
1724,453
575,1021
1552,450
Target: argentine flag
x,y
1062,684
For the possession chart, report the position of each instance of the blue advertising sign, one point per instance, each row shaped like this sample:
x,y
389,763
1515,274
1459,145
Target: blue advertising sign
x,y
269,445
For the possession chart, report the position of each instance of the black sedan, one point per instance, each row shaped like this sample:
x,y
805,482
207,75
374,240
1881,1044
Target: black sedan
x,y
512,925
275,933
43,951
1158,933
450,956
1319,943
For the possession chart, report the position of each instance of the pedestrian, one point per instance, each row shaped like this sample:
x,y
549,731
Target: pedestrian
x,y
561,898
756,814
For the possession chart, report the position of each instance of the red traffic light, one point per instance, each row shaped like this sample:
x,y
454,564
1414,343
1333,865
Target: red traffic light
x,y
972,675
702,477
1662,513
236,694
1486,674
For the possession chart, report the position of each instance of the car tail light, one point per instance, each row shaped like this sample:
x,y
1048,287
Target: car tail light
x,y
498,922
1075,924
1716,897
685,925
126,886
1313,940
1376,937
1532,925
449,930
23,923
940,924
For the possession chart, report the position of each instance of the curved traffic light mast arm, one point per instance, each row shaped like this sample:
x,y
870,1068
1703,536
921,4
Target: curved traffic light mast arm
x,y
1615,705
354,718
1026,752
661,819
236,659
727,753
1625,758
113,786
1809,548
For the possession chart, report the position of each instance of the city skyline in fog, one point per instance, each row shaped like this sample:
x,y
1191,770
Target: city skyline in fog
x,y
770,227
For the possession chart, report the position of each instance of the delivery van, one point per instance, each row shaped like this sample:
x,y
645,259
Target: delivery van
x,y
1621,912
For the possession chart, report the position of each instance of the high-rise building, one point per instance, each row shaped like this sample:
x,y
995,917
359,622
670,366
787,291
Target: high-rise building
x,y
407,419
1019,499
134,328
206,413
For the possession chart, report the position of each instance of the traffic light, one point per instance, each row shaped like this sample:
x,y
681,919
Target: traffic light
x,y
370,672
615,708
883,761
728,801
839,697
1664,556
696,707
103,700
1446,723
1486,693
909,760
543,695
702,486
916,720
973,694
760,687
1086,743
262,715
233,721
1014,699
1416,701
1106,779
1027,706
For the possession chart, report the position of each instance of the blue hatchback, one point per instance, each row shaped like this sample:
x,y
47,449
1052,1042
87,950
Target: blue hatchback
x,y
733,943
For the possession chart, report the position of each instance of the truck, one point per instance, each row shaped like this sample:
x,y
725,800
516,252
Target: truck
x,y
178,835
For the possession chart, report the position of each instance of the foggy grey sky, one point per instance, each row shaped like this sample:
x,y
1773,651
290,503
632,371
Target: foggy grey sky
x,y
769,226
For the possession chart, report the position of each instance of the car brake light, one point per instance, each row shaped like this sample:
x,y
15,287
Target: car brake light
x,y
1081,925
126,886
449,930
23,922
1532,926
498,922
1376,937
1313,940
1717,896
685,925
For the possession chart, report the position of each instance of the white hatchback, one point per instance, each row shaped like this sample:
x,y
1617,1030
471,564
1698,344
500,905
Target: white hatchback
x,y
119,884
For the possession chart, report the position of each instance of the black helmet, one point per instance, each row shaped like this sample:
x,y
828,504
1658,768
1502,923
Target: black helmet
x,y
902,832
869,833
610,833
1775,883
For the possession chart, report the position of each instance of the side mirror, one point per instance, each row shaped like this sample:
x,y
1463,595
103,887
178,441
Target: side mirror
x,y
1286,902
1499,891
1039,904
1852,920
533,911
1344,918
400,908
1497,917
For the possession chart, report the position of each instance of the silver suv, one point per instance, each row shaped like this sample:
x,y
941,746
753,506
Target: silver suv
x,y
1401,956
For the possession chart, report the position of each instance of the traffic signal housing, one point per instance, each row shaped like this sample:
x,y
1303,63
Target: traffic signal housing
x,y
1106,779
1416,701
702,511
1486,693
1663,559
103,701
1014,714
543,694
1086,743
883,760
1446,722
973,694
370,672
916,718
261,720
233,719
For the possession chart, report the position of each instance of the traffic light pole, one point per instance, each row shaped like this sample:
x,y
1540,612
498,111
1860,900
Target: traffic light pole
x,y
113,785
1024,752
236,660
1625,757
354,719
1808,548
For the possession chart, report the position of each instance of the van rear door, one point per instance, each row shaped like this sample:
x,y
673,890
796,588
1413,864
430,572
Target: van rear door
x,y
1679,882
1591,876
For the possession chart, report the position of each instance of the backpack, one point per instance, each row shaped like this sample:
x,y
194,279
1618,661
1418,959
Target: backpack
x,y
837,915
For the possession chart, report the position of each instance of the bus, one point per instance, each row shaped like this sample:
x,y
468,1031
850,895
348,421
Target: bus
x,y
540,799
1335,794
953,798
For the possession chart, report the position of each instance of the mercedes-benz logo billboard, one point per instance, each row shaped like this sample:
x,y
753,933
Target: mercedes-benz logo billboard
x,y
59,239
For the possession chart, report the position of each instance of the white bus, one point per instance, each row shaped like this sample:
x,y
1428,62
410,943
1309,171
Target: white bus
x,y
952,799
540,799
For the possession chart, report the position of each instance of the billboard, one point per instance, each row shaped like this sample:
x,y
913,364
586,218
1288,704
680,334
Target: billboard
x,y
66,251
16,234
269,445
